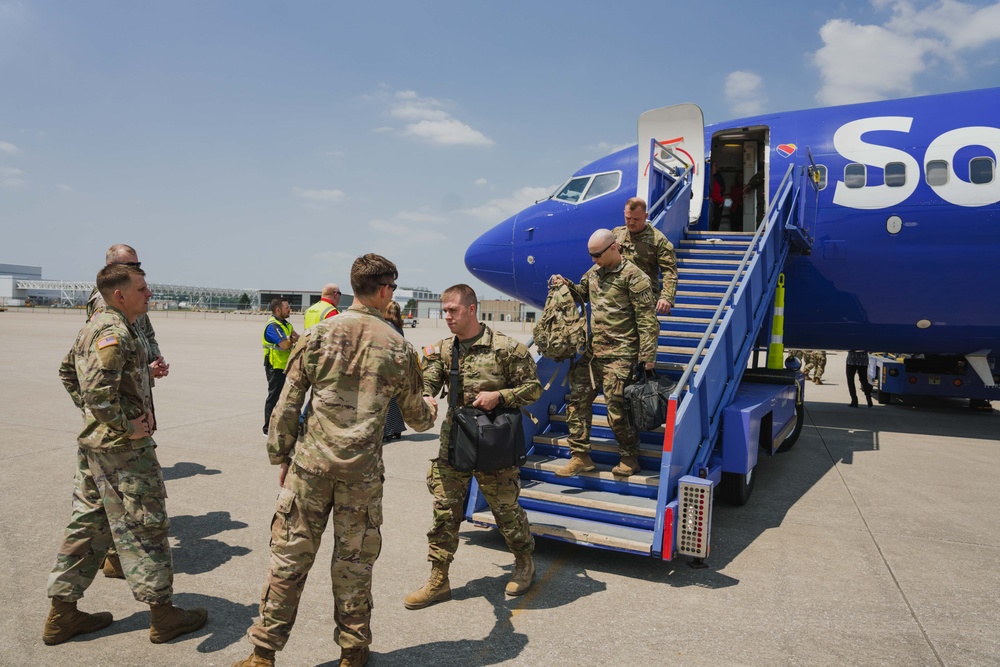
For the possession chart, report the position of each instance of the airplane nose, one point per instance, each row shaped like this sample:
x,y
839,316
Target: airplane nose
x,y
490,258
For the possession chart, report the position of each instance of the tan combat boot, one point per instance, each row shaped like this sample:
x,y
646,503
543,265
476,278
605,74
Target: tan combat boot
x,y
629,465
167,621
577,463
261,657
112,567
354,657
524,574
437,589
65,621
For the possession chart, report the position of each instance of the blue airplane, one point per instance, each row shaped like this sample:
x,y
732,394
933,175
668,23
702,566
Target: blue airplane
x,y
905,222
862,227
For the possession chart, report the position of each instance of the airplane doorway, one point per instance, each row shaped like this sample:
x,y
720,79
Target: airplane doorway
x,y
740,155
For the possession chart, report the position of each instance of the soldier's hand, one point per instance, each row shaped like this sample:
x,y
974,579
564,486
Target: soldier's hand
x,y
662,307
557,279
487,400
649,365
140,427
433,404
159,368
282,471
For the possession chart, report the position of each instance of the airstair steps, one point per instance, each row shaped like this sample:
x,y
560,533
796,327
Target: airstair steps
x,y
549,464
589,498
597,421
581,531
554,442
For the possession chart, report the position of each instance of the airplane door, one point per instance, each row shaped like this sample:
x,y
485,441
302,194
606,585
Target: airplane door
x,y
749,221
682,128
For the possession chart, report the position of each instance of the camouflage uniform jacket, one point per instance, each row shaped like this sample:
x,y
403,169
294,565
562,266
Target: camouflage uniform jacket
x,y
354,363
494,362
652,253
107,375
142,324
623,320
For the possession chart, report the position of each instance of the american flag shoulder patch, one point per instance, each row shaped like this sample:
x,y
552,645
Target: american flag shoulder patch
x,y
429,350
107,341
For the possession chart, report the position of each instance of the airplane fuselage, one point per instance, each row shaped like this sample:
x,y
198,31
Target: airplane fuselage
x,y
906,223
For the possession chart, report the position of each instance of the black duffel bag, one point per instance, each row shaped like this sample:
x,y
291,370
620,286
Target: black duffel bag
x,y
646,398
486,441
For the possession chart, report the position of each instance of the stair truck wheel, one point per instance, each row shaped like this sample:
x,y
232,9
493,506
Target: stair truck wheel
x,y
736,488
800,417
883,397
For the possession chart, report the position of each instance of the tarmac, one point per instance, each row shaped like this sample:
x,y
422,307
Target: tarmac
x,y
874,541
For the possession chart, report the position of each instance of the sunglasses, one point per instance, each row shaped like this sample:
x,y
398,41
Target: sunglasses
x,y
391,286
597,255
137,265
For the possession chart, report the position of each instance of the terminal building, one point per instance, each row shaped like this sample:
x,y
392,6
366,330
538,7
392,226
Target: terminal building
x,y
23,285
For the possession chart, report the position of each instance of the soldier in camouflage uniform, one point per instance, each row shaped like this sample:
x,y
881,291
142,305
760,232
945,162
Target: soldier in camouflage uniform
x,y
494,370
624,331
816,362
118,491
158,368
649,249
354,363
801,356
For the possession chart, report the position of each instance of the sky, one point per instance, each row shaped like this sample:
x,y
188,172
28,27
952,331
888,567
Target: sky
x,y
266,145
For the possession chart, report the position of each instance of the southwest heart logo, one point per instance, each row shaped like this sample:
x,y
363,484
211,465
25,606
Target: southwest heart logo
x,y
784,150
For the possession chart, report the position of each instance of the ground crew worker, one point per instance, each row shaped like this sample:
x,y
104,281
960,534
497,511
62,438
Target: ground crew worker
x,y
647,248
126,255
494,370
816,363
354,363
279,336
119,493
624,330
325,307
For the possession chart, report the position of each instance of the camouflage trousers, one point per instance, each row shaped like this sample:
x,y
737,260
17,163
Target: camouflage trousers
x,y
304,506
815,364
611,374
501,489
118,497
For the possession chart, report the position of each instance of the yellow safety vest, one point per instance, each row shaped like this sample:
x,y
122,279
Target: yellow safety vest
x,y
317,312
275,356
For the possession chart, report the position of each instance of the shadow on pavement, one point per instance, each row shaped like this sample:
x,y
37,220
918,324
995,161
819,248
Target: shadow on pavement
x,y
503,643
195,553
183,469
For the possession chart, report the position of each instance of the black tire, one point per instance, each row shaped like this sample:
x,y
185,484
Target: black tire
x,y
883,397
736,489
800,417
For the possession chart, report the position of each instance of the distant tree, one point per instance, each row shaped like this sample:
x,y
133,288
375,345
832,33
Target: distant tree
x,y
244,301
411,308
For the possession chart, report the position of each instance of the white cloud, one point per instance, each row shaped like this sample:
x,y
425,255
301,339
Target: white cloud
x,y
406,234
318,195
496,210
745,93
9,148
428,119
608,147
11,178
418,216
861,63
447,132
480,181
64,187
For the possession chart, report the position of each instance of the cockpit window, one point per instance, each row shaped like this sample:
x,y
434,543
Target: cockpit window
x,y
585,188
603,184
573,190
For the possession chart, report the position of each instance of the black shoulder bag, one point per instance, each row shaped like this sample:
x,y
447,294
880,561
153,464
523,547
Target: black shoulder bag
x,y
646,398
482,441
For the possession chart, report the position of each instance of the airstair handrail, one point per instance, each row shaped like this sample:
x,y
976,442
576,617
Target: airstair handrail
x,y
679,179
706,337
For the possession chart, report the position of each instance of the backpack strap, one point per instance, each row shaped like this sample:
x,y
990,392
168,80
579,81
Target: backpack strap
x,y
453,377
